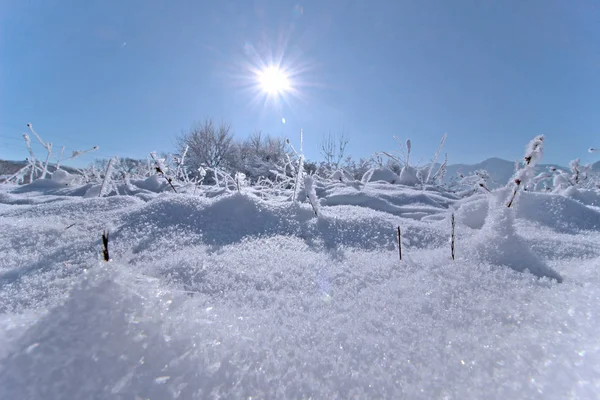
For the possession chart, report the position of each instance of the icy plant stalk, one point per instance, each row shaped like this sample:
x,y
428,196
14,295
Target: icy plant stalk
x,y
75,154
435,158
181,167
441,172
309,186
60,156
47,146
31,156
106,181
300,166
533,154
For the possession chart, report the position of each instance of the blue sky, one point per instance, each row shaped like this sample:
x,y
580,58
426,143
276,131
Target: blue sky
x,y
130,75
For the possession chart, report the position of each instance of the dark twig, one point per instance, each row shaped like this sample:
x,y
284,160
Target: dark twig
x,y
453,239
399,243
105,246
160,171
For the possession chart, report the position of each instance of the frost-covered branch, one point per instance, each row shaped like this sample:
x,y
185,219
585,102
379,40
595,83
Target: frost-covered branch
x,y
533,154
107,179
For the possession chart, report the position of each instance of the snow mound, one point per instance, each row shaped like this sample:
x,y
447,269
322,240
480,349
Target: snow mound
x,y
499,244
392,199
380,174
236,217
154,184
557,212
409,176
473,211
61,176
39,185
99,338
342,176
586,197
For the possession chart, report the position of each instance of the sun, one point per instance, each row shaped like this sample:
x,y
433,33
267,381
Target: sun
x,y
273,81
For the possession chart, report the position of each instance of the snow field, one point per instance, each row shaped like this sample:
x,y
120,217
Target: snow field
x,y
238,297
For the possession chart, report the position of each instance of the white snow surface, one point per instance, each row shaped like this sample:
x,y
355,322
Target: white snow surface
x,y
235,296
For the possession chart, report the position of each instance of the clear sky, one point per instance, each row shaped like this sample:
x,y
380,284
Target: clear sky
x,y
130,75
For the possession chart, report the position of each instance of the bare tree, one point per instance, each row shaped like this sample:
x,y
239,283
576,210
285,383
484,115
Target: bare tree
x,y
333,148
208,144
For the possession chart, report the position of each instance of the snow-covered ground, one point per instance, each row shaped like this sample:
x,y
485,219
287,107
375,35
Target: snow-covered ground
x,y
235,296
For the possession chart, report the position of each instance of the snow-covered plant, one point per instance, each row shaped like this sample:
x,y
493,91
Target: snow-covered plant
x,y
222,178
577,177
240,181
311,194
35,166
75,154
476,182
31,159
201,173
367,176
440,175
533,154
46,145
299,170
106,183
181,172
435,158
161,168
410,175
579,173
542,178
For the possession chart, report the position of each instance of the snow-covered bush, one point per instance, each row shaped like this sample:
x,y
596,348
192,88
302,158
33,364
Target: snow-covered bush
x,y
207,145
